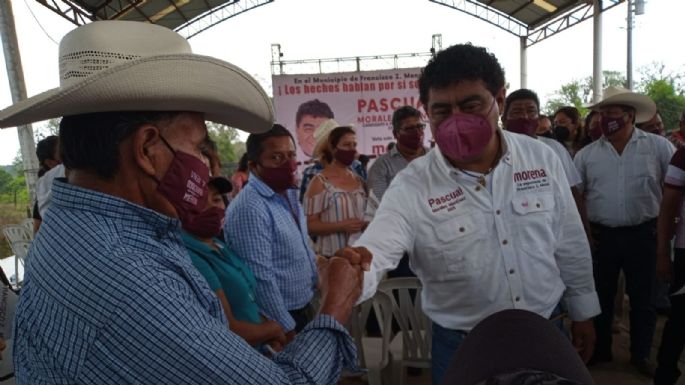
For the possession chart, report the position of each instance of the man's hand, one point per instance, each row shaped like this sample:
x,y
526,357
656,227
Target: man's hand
x,y
356,256
289,336
583,334
664,266
341,286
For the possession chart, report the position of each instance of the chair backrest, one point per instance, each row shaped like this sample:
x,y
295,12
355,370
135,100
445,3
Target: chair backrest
x,y
381,304
415,326
15,233
28,225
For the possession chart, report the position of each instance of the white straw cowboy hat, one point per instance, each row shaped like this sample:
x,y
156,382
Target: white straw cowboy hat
x,y
644,106
321,135
135,66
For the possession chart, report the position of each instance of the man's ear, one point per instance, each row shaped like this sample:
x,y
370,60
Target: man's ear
x,y
147,148
500,97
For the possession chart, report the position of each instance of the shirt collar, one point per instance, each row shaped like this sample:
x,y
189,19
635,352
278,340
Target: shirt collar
x,y
637,134
72,197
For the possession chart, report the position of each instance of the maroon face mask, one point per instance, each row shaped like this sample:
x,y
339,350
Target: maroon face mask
x,y
346,157
411,140
185,184
523,126
280,178
206,224
611,125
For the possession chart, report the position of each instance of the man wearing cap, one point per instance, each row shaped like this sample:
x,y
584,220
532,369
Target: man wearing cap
x,y
487,216
111,295
622,173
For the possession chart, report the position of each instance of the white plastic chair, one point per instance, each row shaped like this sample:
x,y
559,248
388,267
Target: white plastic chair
x,y
19,239
373,352
28,225
411,346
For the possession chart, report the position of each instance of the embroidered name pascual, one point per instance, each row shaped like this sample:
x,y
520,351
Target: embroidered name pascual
x,y
447,201
531,179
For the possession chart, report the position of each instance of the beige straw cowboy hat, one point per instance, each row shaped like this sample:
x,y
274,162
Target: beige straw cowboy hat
x,y
644,106
321,135
135,66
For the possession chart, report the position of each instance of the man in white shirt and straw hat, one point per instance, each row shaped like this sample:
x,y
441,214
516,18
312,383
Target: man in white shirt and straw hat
x,y
622,173
111,296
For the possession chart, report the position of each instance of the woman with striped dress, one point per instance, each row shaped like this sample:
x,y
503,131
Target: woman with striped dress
x,y
336,198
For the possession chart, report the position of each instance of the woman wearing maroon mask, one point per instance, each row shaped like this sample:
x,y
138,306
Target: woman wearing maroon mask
x,y
336,198
229,277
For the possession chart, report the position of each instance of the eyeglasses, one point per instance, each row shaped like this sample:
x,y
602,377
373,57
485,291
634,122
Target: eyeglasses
x,y
416,127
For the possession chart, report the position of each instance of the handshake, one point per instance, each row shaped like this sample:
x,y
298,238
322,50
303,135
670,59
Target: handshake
x,y
341,278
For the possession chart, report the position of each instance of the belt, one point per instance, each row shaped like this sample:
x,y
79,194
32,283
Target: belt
x,y
649,224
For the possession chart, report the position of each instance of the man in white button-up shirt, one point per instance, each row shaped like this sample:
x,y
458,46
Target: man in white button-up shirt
x,y
622,174
487,216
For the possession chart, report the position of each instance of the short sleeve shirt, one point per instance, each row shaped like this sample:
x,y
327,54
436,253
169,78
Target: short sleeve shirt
x,y
675,178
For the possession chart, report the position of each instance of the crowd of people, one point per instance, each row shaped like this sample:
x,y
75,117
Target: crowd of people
x,y
151,267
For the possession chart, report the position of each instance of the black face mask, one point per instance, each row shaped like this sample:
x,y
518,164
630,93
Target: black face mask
x,y
547,134
561,133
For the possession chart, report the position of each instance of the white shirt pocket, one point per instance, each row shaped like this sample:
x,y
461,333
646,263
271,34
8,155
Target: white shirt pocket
x,y
534,223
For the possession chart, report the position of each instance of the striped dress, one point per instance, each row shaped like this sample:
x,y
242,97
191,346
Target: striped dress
x,y
335,205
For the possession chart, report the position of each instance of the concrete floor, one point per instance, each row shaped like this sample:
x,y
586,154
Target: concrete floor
x,y
618,372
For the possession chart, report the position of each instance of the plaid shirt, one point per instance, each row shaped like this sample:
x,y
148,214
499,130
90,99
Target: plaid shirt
x,y
111,297
261,228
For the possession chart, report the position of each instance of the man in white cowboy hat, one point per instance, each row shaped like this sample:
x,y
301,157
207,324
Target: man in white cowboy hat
x,y
110,295
622,173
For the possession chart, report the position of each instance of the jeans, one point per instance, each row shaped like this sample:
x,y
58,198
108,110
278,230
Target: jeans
x,y
673,339
633,250
445,344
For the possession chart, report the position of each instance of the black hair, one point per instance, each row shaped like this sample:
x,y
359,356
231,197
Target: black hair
x,y
522,94
242,163
46,149
402,113
91,141
458,63
313,108
254,141
333,140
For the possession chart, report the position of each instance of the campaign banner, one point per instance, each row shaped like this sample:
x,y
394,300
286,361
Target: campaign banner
x,y
365,100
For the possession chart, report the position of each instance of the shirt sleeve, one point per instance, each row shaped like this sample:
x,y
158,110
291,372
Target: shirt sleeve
x,y
378,180
164,334
675,174
572,174
579,162
389,235
666,151
315,204
247,230
574,258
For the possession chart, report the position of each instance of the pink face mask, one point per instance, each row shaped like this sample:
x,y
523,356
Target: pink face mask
x,y
411,140
185,184
280,178
464,136
206,224
595,131
523,126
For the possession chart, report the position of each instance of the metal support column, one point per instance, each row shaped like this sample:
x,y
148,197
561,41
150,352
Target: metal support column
x,y
15,75
597,52
524,62
629,49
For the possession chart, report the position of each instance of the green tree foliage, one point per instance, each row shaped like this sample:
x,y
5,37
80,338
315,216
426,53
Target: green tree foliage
x,y
229,145
578,92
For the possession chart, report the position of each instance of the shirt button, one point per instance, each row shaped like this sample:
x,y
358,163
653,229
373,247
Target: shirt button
x,y
477,188
504,242
537,205
511,271
497,212
517,298
461,229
